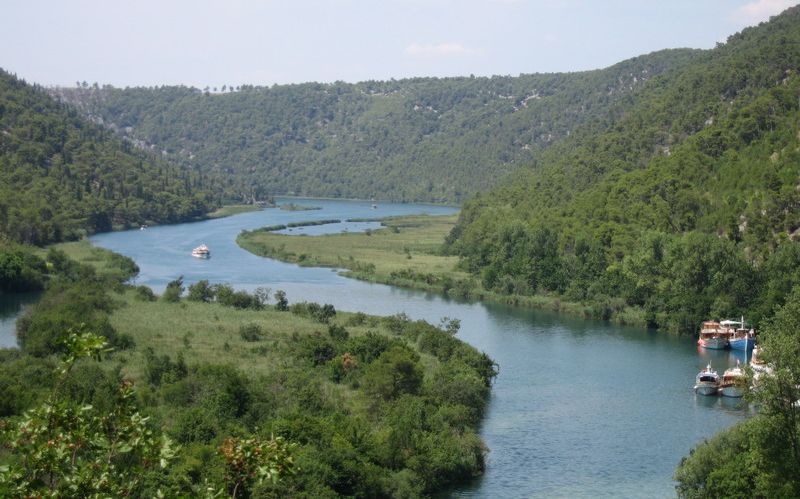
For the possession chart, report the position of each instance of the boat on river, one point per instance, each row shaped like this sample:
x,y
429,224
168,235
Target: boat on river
x,y
707,382
733,382
742,338
201,251
714,335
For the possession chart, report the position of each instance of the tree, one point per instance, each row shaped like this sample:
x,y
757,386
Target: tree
x,y
174,290
281,303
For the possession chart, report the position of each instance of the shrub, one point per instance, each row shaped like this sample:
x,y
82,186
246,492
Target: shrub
x,y
144,293
201,291
174,290
337,332
250,332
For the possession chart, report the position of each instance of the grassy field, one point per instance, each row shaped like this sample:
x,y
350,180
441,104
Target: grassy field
x,y
233,209
405,253
405,244
209,333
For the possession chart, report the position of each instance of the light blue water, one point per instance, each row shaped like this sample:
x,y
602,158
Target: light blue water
x,y
11,307
580,408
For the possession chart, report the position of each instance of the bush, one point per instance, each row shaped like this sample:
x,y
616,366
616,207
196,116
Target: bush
x,y
201,291
281,303
394,373
144,293
237,299
251,332
337,332
174,290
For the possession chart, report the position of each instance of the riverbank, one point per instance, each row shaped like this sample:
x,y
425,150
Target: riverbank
x,y
234,209
373,405
407,253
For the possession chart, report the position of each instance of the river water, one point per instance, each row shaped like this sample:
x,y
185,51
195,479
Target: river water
x,y
580,408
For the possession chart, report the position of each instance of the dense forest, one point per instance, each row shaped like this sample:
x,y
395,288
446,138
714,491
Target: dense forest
x,y
678,206
423,139
62,177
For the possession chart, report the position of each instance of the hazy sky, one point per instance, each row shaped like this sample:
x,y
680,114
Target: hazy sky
x,y
202,42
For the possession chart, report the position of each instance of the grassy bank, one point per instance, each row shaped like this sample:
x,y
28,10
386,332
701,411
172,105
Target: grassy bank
x,y
406,253
233,209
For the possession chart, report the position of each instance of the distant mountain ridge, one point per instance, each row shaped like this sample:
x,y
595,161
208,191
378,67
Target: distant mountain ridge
x,y
421,139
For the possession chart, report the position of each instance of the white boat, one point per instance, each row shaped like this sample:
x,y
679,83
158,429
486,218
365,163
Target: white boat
x,y
201,251
707,382
733,382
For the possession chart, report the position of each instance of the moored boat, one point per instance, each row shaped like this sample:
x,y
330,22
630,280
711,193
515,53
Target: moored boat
x,y
201,251
707,382
713,335
733,382
742,338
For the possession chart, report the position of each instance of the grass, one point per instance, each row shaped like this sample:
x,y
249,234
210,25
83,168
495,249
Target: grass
x,y
84,252
406,253
406,243
233,209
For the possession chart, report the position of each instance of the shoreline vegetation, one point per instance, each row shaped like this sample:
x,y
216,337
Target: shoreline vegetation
x,y
234,209
407,253
298,207
358,405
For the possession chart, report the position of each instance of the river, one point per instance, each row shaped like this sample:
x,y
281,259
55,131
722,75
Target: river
x,y
580,408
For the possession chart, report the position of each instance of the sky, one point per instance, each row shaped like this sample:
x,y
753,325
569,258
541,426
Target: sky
x,y
231,42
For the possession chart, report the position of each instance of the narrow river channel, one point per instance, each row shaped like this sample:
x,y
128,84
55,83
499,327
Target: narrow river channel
x,y
580,408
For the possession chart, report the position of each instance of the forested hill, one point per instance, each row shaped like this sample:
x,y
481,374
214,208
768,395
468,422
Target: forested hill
x,y
62,176
681,206
424,139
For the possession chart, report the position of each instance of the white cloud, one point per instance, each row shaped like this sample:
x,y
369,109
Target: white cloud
x,y
760,10
449,49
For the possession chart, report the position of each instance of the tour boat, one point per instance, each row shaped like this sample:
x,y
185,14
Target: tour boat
x,y
201,252
707,382
733,380
713,335
742,337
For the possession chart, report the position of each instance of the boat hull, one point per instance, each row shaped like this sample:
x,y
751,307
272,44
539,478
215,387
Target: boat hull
x,y
732,391
742,344
706,389
713,343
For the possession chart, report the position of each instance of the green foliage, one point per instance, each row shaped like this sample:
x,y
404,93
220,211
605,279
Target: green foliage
x,y
249,461
432,139
174,290
20,270
72,450
226,295
320,313
395,372
761,457
144,293
250,332
281,303
158,369
62,177
671,207
201,291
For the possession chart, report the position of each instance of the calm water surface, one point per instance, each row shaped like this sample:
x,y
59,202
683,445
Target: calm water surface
x,y
580,408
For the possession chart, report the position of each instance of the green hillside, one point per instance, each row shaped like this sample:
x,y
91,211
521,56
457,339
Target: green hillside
x,y
680,205
61,176
423,139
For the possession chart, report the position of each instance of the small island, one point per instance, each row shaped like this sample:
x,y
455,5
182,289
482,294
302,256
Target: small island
x,y
298,207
